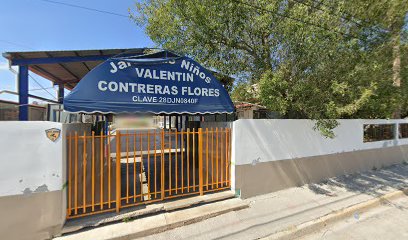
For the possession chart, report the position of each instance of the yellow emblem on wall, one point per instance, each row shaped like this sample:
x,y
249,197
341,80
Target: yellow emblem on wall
x,y
53,134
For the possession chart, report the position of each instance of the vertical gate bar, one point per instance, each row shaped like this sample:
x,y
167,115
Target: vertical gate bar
x,y
188,160
194,158
162,166
169,160
176,153
206,153
226,155
76,173
134,166
229,155
127,166
101,167
221,157
69,174
155,164
200,160
148,164
182,160
212,158
93,171
118,172
216,153
141,166
84,175
109,169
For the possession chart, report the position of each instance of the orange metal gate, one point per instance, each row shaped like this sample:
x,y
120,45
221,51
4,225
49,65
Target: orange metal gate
x,y
110,172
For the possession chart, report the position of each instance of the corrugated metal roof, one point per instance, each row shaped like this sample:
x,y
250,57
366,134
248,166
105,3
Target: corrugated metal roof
x,y
67,73
70,73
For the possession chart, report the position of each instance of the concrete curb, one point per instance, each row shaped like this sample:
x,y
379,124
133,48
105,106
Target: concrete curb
x,y
179,223
145,210
159,223
295,232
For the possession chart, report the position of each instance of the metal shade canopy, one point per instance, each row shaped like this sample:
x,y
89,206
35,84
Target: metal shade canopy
x,y
149,84
65,67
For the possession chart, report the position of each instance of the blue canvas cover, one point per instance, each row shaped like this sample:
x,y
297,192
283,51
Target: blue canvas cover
x,y
176,85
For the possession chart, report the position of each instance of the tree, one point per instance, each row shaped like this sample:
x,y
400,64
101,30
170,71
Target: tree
x,y
310,59
244,92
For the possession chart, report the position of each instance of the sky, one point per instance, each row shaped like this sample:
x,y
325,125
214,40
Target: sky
x,y
36,25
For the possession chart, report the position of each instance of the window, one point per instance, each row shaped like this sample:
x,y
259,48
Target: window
x,y
259,114
378,132
403,130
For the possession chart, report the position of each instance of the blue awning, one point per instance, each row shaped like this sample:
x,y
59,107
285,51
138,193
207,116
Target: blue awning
x,y
176,85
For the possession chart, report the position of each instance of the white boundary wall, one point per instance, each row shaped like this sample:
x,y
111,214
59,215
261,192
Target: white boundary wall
x,y
32,176
279,139
29,161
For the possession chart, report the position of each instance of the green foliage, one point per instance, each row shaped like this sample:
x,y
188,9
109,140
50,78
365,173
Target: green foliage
x,y
307,59
404,78
244,92
325,126
127,219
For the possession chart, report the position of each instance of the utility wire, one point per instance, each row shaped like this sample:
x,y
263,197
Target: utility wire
x,y
37,89
30,76
41,86
86,8
340,11
343,14
324,10
298,20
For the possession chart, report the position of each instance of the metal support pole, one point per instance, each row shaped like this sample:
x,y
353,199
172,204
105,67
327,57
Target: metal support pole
x,y
61,93
22,86
164,121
